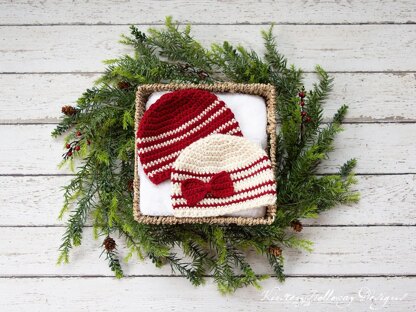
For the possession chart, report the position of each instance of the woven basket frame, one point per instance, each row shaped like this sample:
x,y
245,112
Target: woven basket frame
x,y
263,90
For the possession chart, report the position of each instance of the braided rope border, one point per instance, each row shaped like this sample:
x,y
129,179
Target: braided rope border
x,y
264,90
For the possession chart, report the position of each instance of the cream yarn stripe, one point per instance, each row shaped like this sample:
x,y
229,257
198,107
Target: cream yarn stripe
x,y
163,159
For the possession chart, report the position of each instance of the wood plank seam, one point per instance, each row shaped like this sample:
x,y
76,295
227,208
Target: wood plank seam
x,y
136,276
266,23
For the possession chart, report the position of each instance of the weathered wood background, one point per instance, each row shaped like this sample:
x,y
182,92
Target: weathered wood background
x,y
52,50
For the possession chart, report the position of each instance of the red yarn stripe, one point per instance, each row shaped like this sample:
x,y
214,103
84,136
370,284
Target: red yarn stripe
x,y
251,188
253,173
160,177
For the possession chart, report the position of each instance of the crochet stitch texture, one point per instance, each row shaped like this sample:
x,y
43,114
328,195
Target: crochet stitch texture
x,y
214,158
176,120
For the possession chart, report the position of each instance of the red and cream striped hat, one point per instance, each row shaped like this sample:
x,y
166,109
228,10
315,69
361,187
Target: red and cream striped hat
x,y
176,120
221,174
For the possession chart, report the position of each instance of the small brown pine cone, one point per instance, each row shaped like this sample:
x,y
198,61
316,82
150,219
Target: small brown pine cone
x,y
183,65
202,75
123,85
275,251
109,244
297,226
130,186
69,110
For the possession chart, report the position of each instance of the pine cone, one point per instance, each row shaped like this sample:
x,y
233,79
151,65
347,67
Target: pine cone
x,y
130,186
297,225
183,66
109,244
275,250
123,85
202,75
69,110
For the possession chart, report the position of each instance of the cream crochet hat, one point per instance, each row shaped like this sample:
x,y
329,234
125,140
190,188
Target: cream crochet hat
x,y
221,174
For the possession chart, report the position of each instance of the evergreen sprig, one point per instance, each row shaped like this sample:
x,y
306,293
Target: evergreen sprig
x,y
103,128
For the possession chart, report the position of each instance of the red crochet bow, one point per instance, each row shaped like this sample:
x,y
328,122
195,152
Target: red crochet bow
x,y
220,185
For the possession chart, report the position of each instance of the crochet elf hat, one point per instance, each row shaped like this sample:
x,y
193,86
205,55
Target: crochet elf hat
x,y
176,120
221,174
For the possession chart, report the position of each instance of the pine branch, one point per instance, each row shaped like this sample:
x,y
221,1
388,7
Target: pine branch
x,y
239,64
347,168
76,222
114,263
103,127
272,56
277,265
186,269
179,46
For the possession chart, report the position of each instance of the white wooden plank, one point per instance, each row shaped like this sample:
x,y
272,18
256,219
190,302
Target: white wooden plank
x,y
31,200
385,200
176,294
30,149
379,148
335,47
379,250
212,12
375,147
39,98
375,97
